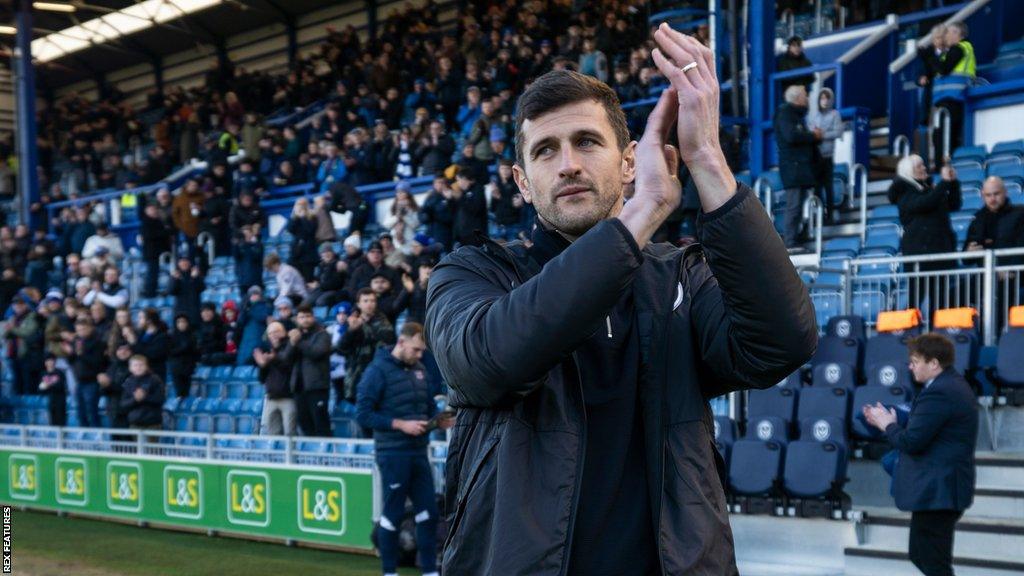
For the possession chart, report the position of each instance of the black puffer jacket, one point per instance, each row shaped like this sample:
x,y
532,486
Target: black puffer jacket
x,y
734,315
924,214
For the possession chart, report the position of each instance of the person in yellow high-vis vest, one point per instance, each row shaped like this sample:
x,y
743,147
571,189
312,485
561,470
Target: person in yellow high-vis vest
x,y
958,60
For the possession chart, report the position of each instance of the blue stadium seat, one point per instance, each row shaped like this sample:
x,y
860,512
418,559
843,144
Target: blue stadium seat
x,y
202,372
838,349
220,373
971,201
202,423
843,246
824,402
224,424
847,327
766,428
213,389
889,396
755,467
313,446
869,303
884,213
725,430
816,464
1008,172
827,304
974,155
1009,368
256,391
243,373
778,401
888,374
236,390
967,346
246,424
794,380
1006,152
834,374
182,422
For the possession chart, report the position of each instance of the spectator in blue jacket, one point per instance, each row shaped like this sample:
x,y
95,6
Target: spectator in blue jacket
x,y
395,400
332,169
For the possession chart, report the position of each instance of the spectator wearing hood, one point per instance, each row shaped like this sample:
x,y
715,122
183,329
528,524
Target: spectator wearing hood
x,y
827,120
210,336
284,312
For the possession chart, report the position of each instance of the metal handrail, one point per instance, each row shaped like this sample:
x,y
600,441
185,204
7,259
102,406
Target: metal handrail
x,y
761,186
859,175
205,240
939,113
814,211
901,146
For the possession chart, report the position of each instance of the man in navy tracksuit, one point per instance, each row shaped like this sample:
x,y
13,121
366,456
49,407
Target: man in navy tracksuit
x,y
934,476
395,399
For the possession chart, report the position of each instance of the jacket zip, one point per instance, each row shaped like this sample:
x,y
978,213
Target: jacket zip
x,y
582,450
608,319
580,457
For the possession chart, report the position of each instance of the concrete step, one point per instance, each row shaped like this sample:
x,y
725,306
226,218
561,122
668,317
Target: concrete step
x,y
999,470
1007,503
996,539
876,561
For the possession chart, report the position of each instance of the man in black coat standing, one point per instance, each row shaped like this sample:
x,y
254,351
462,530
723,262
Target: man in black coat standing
x,y
157,234
581,367
310,352
797,145
934,475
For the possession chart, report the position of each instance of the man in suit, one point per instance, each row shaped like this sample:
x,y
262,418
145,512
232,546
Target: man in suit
x,y
934,476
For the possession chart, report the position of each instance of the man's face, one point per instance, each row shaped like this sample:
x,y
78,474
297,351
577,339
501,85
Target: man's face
x,y
796,49
284,311
305,320
953,35
83,330
207,315
327,256
380,285
574,171
110,276
374,257
137,367
801,98
275,331
367,306
924,370
410,350
994,195
181,324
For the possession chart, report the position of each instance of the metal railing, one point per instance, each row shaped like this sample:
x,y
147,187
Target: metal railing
x,y
901,146
814,214
989,280
206,242
940,119
859,176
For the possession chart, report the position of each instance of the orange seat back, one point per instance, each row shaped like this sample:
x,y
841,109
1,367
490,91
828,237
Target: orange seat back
x,y
1017,317
897,320
962,318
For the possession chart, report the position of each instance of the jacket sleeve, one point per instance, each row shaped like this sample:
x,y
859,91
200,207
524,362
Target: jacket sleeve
x,y
368,398
751,313
834,129
953,57
494,341
927,418
316,348
951,190
789,132
913,202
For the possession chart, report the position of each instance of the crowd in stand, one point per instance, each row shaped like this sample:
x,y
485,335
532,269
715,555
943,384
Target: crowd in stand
x,y
415,101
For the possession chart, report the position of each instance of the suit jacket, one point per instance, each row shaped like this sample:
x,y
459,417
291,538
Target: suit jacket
x,y
935,470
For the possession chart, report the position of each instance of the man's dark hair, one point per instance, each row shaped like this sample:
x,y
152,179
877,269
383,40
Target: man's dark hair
x,y
365,292
411,330
933,347
563,87
795,40
304,309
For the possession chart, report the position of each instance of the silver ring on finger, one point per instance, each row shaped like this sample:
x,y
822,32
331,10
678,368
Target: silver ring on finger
x,y
689,66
